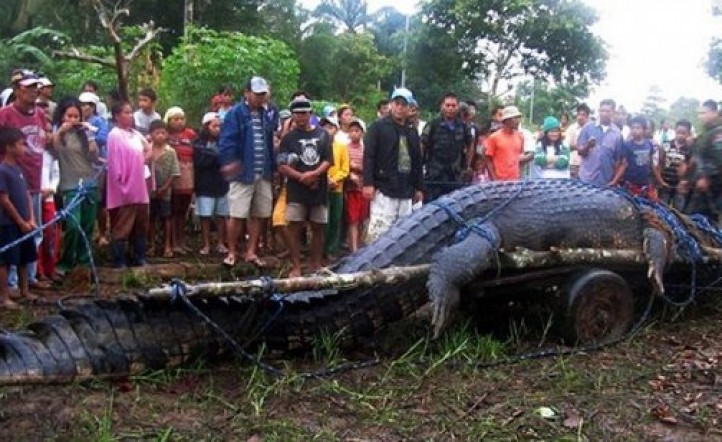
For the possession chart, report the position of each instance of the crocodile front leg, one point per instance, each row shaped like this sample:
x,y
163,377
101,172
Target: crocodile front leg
x,y
456,266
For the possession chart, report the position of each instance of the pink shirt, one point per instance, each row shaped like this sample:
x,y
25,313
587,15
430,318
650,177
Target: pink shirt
x,y
126,168
33,127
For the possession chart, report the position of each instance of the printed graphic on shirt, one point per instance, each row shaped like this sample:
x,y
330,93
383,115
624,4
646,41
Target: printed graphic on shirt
x,y
309,151
404,157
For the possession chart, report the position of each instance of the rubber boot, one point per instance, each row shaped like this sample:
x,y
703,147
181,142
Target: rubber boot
x,y
117,249
139,245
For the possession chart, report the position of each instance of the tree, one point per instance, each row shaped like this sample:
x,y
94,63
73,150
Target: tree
x,y
206,59
27,49
548,99
349,14
714,54
684,108
654,105
502,40
110,16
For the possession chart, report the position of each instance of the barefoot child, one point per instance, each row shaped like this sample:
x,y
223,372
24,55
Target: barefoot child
x,y
357,207
16,217
165,171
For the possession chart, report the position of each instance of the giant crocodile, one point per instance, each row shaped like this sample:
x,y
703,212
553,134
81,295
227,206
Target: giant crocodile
x,y
458,235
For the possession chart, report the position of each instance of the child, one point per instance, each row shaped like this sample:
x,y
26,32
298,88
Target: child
x,y
337,173
146,113
480,172
209,186
165,170
181,139
48,251
357,207
551,156
16,216
635,172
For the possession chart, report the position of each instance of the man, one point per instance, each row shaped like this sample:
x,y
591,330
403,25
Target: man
x,y
414,117
599,147
305,158
392,170
468,114
248,161
572,135
706,168
45,98
664,135
23,114
676,157
504,149
446,147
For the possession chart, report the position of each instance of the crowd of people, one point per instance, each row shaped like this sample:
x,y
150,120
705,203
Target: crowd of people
x,y
267,180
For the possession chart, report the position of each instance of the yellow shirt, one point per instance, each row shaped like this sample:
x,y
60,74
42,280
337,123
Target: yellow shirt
x,y
339,171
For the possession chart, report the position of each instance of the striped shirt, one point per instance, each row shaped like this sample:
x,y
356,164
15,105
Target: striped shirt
x,y
259,143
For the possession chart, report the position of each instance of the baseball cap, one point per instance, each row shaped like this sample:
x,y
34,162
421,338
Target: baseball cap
x,y
285,114
45,82
404,93
332,120
300,105
328,110
208,117
89,97
257,85
355,121
24,77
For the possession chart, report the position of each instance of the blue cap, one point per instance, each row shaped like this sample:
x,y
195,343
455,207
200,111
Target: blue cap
x,y
328,109
402,92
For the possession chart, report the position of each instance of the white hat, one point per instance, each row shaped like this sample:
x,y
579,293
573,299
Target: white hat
x,y
332,120
89,97
257,85
172,112
358,122
208,117
510,112
45,82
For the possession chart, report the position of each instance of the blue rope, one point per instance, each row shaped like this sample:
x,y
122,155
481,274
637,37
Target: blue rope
x,y
82,192
477,226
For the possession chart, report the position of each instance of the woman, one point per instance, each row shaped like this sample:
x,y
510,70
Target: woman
x,y
209,186
551,157
345,117
127,191
74,144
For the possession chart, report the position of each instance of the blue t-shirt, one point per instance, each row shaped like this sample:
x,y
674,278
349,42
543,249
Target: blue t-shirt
x,y
639,161
13,183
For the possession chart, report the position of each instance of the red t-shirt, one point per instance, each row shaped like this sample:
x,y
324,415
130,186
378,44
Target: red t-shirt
x,y
33,126
505,149
182,143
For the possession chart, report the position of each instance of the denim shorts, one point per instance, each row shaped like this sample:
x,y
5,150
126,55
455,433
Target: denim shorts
x,y
207,206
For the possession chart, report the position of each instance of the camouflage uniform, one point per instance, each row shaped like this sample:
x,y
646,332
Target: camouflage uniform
x,y
707,163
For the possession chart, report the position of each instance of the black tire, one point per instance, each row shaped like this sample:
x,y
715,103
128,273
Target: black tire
x,y
597,306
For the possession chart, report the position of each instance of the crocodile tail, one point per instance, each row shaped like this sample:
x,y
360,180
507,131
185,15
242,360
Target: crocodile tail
x,y
115,339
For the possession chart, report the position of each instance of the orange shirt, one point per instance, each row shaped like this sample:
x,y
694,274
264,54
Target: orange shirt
x,y
505,149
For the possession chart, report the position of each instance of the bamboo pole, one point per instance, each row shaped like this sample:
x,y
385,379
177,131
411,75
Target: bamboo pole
x,y
517,259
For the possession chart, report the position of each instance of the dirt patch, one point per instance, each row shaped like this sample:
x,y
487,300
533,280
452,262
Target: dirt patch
x,y
665,384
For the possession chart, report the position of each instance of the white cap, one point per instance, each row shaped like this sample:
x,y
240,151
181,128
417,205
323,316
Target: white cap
x,y
89,97
208,117
45,82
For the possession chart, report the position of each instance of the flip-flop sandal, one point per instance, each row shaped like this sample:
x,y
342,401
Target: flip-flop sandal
x,y
204,252
229,261
258,262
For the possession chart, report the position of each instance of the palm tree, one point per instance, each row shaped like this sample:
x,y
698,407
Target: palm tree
x,y
348,14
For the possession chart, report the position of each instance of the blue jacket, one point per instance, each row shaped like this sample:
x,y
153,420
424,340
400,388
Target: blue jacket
x,y
236,143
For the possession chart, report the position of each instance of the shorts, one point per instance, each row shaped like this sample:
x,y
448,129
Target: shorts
x,y
250,200
21,254
179,204
316,213
357,207
279,211
208,206
159,208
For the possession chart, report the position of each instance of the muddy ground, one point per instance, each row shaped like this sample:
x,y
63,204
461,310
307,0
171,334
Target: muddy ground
x,y
664,384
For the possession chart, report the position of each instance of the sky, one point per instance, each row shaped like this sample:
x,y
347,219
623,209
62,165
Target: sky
x,y
659,43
